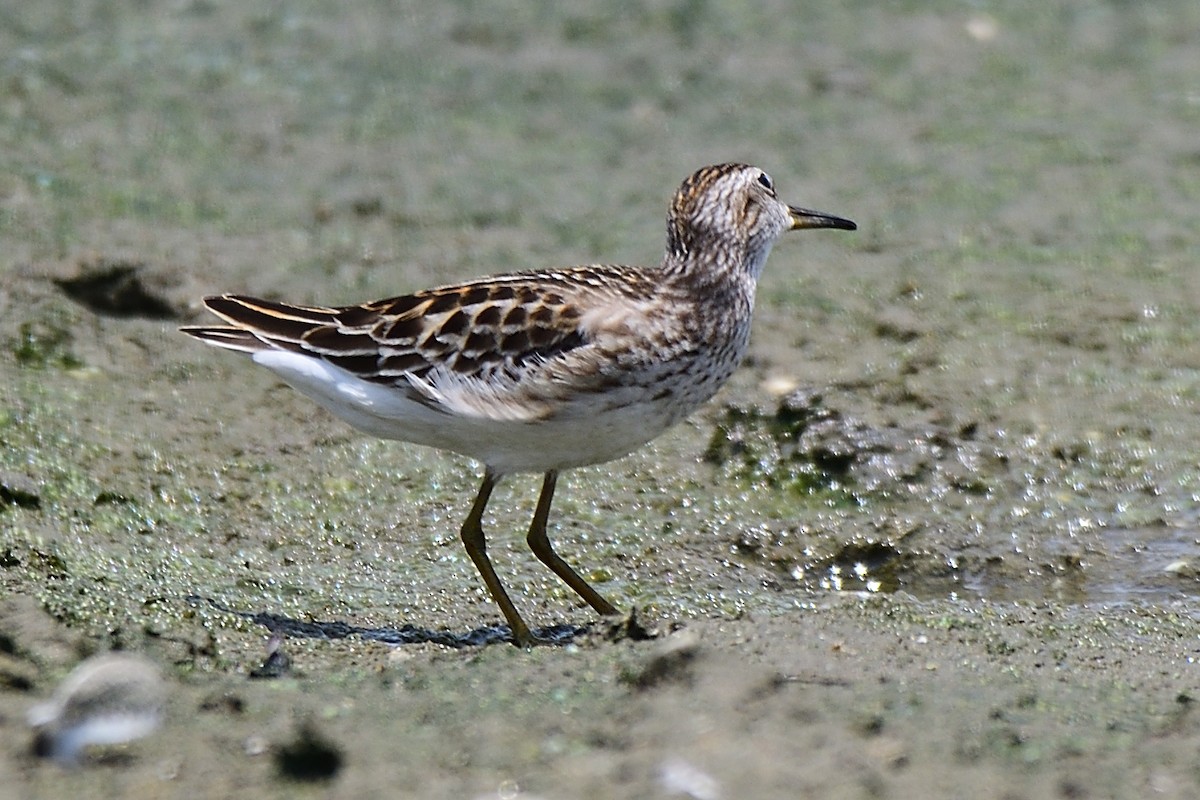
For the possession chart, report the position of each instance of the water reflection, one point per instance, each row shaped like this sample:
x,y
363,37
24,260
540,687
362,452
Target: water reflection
x,y
1143,565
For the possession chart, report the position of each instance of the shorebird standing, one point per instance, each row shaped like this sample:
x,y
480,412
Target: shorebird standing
x,y
539,371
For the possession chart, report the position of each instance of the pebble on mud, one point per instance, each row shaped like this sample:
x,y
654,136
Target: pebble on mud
x,y
108,699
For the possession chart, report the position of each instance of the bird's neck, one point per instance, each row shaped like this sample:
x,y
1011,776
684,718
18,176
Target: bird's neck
x,y
718,279
721,268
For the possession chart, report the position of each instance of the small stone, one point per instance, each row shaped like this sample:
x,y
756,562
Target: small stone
x,y
108,699
682,778
1181,567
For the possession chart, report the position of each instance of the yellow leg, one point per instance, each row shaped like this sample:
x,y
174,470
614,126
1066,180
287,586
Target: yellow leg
x,y
540,544
472,537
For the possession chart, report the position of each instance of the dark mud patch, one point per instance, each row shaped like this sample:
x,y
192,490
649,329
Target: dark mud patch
x,y
116,289
18,491
310,756
809,447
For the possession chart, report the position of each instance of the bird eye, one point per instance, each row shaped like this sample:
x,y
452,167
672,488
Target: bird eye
x,y
765,180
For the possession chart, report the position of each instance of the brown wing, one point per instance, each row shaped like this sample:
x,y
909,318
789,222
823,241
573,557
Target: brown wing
x,y
472,329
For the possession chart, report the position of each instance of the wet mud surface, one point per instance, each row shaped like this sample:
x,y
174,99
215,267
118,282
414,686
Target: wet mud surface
x,y
938,537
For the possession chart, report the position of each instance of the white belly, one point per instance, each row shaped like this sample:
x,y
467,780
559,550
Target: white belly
x,y
589,430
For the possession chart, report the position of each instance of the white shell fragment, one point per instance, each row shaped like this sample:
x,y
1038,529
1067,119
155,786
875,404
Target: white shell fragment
x,y
108,699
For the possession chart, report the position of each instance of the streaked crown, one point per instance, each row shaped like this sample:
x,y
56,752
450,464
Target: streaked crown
x,y
725,218
728,211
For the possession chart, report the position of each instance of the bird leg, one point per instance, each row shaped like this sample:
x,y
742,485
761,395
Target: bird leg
x,y
540,544
472,538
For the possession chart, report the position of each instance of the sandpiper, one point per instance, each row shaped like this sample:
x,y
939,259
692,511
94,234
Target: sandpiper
x,y
539,371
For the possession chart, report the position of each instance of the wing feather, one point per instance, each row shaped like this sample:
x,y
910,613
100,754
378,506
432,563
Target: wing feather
x,y
482,348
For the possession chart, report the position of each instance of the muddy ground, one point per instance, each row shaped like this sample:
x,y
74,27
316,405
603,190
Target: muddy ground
x,y
939,538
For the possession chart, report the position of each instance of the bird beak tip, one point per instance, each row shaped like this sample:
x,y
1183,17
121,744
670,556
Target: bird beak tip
x,y
805,218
